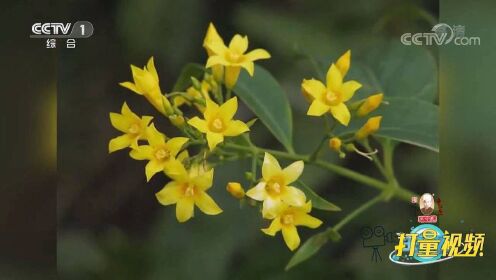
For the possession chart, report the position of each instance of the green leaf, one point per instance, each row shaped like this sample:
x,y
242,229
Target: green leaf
x,y
265,97
312,246
406,120
397,71
184,80
318,201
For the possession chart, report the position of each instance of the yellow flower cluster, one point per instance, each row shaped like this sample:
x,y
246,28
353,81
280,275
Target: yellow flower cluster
x,y
332,97
284,204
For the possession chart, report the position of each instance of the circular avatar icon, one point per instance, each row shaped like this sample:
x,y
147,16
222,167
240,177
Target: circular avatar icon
x,y
426,203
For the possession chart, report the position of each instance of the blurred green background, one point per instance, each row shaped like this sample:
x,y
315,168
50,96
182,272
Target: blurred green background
x,y
109,223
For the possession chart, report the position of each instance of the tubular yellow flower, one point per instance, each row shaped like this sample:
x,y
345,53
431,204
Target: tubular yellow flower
x,y
212,37
188,189
274,189
332,96
218,122
288,219
370,104
133,127
235,189
159,153
146,83
234,57
371,126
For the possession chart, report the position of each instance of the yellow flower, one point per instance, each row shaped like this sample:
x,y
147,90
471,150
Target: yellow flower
x,y
371,126
187,190
159,153
218,122
146,84
370,104
274,189
288,219
211,37
332,96
235,189
234,57
134,129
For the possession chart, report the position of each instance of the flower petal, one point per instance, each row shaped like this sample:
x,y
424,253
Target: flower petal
x,y
293,171
120,142
211,110
185,209
120,122
235,128
214,139
126,112
271,207
348,89
205,180
343,63
212,36
341,113
176,171
228,109
217,47
141,152
154,137
239,44
152,168
270,167
216,60
257,54
170,194
291,237
150,66
334,78
199,124
258,192
274,227
293,196
175,144
314,88
132,87
249,66
317,108
206,204
301,219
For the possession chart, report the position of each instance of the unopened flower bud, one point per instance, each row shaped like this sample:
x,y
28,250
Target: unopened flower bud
x,y
236,190
335,144
177,120
370,104
167,106
370,127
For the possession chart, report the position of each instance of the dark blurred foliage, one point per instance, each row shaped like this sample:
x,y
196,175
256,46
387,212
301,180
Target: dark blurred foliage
x,y
109,223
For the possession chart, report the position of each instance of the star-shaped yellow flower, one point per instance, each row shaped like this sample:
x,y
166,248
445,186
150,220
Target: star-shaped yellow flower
x,y
133,127
332,96
188,189
274,189
212,37
233,57
219,122
159,153
146,83
288,219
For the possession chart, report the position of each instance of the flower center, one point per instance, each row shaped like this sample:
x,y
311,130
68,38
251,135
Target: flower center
x,y
331,98
162,154
233,57
274,187
287,219
217,125
134,129
190,191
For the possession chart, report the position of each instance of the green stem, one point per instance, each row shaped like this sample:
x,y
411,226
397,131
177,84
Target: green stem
x,y
358,211
343,171
375,158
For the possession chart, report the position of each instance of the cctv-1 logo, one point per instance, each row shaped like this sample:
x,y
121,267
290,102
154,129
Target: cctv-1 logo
x,y
51,28
80,29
